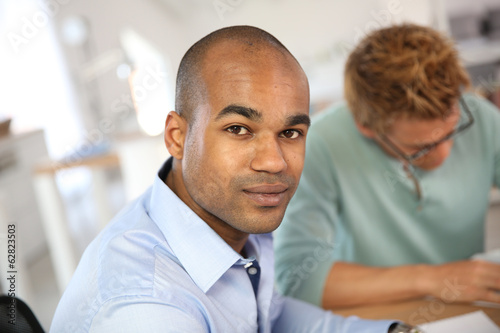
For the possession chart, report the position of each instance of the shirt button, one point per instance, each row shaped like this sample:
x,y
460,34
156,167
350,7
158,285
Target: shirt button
x,y
252,271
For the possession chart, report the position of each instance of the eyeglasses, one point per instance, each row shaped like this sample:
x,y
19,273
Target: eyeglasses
x,y
462,126
408,167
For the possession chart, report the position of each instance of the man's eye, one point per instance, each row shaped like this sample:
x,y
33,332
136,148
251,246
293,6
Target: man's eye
x,y
238,130
290,134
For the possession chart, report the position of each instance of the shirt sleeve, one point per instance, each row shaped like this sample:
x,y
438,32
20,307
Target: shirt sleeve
x,y
128,315
300,317
304,243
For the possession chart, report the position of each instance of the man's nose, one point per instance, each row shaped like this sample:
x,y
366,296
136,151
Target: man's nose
x,y
442,151
268,155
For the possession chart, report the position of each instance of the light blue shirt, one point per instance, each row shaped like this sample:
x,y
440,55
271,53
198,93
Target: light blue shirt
x,y
158,267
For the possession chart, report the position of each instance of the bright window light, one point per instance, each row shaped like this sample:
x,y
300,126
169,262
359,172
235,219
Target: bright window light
x,y
150,82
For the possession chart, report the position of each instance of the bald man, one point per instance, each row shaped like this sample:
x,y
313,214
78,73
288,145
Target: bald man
x,y
194,253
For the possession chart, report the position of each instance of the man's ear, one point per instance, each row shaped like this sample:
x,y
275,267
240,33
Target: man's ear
x,y
366,131
175,134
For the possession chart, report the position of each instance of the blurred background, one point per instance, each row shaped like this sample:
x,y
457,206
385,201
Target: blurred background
x,y
86,86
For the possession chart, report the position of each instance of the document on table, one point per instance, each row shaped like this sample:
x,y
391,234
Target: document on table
x,y
471,322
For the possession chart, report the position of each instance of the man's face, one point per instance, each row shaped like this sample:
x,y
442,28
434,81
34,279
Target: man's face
x,y
244,149
413,135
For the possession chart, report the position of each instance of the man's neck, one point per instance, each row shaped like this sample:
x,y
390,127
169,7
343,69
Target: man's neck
x,y
234,238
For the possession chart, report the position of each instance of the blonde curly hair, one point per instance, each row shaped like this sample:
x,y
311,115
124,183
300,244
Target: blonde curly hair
x,y
403,71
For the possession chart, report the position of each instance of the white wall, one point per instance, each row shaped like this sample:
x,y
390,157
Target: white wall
x,y
103,99
319,33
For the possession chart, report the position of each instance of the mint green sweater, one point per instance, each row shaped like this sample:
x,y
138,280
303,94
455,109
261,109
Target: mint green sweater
x,y
354,203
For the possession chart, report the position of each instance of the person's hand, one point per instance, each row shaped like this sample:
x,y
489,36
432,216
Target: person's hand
x,y
465,281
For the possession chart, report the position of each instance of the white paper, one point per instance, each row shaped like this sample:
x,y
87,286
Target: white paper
x,y
468,323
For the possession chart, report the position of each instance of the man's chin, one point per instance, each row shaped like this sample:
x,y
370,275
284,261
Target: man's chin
x,y
265,230
264,225
429,166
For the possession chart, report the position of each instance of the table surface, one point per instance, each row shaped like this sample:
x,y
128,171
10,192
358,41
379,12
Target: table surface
x,y
416,312
106,160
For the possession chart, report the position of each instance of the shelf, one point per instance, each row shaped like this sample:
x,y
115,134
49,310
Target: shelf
x,y
480,51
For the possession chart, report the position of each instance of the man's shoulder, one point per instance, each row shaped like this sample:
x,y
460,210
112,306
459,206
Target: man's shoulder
x,y
131,253
124,253
481,108
486,128
336,113
334,129
125,263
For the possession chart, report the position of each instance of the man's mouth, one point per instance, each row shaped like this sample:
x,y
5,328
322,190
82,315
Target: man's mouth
x,y
267,195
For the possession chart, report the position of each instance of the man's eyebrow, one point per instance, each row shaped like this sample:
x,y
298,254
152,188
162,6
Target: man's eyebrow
x,y
298,120
244,111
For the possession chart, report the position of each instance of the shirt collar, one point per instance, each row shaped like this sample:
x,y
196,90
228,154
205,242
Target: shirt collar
x,y
201,251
